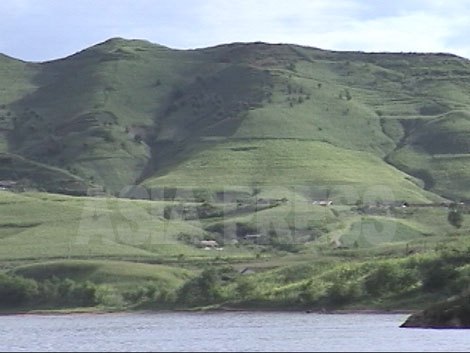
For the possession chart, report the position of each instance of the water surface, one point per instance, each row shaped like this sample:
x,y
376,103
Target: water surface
x,y
233,331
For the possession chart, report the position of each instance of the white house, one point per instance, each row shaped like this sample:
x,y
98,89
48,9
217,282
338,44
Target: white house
x,y
209,243
322,202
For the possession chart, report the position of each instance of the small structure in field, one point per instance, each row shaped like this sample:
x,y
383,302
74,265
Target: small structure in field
x,y
252,236
322,203
209,244
7,184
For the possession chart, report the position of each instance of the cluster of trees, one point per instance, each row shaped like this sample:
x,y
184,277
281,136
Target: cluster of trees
x,y
19,292
296,95
16,291
363,283
394,279
307,287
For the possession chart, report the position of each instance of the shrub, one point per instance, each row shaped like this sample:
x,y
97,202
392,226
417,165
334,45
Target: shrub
x,y
205,288
437,275
312,292
15,291
109,297
388,279
141,294
455,218
342,293
245,287
66,292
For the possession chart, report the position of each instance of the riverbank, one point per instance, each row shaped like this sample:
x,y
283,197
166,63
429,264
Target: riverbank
x,y
75,311
102,311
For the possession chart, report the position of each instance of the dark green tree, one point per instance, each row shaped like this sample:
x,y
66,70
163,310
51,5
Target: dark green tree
x,y
16,291
455,218
203,289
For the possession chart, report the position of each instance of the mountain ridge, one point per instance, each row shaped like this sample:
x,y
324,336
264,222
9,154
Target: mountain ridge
x,y
125,111
116,40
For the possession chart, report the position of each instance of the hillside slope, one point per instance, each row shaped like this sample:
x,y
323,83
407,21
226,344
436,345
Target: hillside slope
x,y
241,115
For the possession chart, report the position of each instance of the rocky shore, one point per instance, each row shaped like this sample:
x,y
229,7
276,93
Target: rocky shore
x,y
451,314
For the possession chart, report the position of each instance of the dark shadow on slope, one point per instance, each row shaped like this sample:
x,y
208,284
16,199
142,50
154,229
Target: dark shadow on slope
x,y
204,112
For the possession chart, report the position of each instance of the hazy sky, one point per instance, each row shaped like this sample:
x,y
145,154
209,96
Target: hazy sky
x,y
41,30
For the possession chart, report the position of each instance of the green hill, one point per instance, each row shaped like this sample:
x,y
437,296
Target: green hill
x,y
238,145
240,115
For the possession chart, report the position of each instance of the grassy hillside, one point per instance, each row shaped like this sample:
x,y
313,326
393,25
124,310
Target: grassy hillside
x,y
314,166
118,253
197,178
129,111
34,175
105,272
36,227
